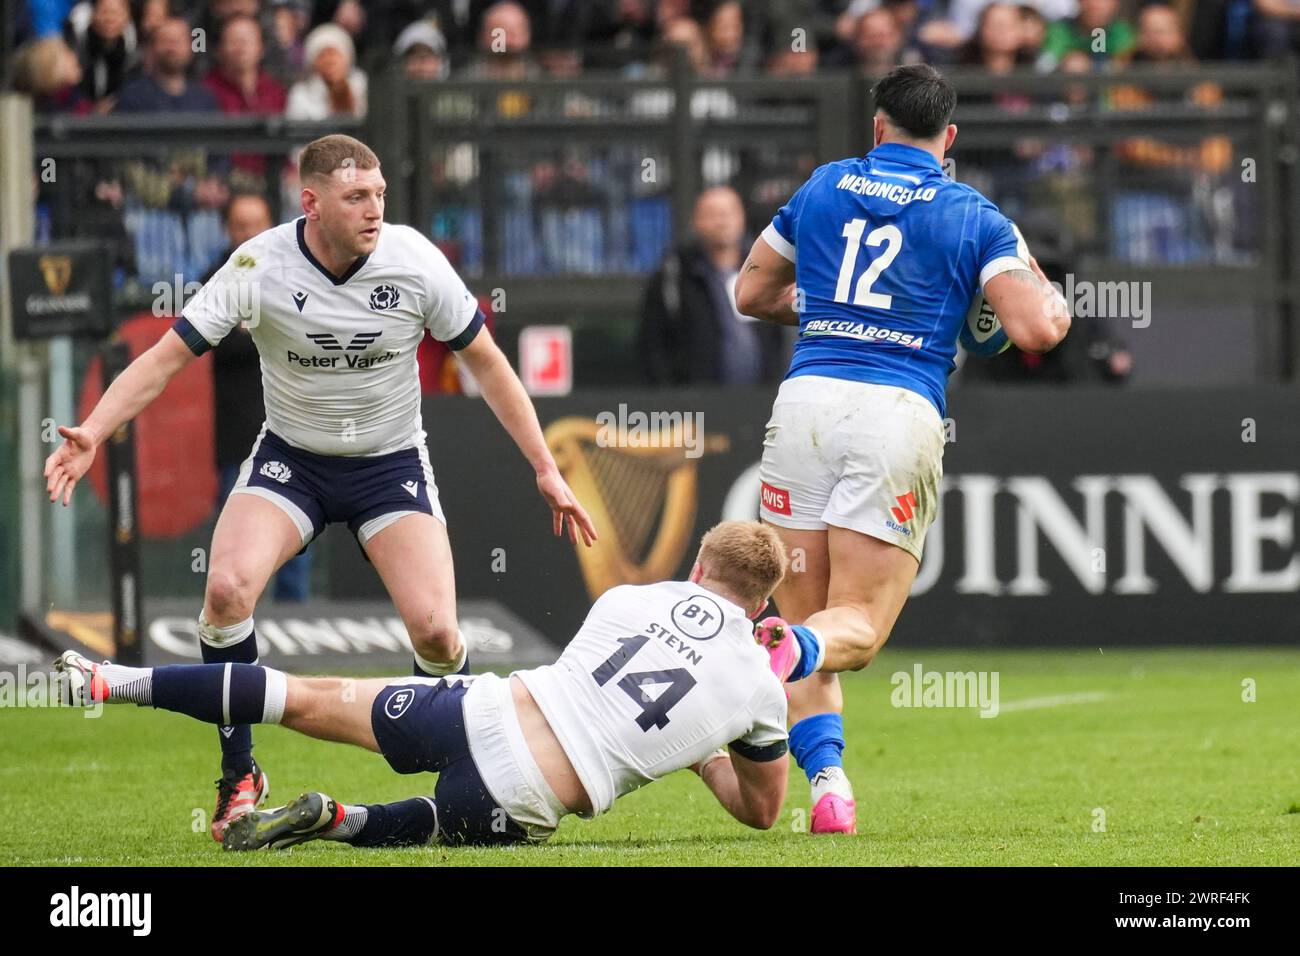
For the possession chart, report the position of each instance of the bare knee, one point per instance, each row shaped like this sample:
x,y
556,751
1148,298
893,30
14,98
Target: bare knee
x,y
435,638
230,596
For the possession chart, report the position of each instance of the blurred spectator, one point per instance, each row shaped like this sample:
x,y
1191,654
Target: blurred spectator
x,y
335,87
997,45
685,33
289,22
150,15
875,46
504,45
241,86
1033,34
878,42
1167,210
1098,31
282,24
351,17
422,50
956,21
49,72
237,388
691,333
724,37
1277,28
104,39
238,81
165,85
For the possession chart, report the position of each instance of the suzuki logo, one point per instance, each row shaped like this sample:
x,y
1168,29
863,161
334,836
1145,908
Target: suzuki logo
x,y
904,512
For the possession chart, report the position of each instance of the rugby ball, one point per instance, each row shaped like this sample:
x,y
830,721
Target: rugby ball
x,y
982,334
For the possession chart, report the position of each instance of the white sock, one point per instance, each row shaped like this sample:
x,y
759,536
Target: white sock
x,y
354,818
437,669
215,636
132,685
831,780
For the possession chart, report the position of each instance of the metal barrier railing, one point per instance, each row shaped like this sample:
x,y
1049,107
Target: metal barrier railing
x,y
1184,176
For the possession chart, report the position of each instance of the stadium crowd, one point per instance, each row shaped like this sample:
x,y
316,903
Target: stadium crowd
x,y
311,60
586,210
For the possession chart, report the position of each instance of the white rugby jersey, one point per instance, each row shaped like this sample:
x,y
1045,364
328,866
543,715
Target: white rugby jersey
x,y
658,677
339,373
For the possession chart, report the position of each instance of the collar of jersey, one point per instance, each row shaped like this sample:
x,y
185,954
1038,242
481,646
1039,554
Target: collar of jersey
x,y
337,280
905,155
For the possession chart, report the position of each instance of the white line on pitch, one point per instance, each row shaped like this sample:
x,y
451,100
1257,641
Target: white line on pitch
x,y
1058,700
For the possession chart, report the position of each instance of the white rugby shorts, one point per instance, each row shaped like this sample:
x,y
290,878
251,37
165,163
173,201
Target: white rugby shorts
x,y
855,455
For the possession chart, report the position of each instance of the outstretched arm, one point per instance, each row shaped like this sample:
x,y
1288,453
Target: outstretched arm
x,y
128,395
506,397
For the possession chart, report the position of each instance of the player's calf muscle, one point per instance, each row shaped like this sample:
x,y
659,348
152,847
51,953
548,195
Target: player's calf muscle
x,y
851,641
331,708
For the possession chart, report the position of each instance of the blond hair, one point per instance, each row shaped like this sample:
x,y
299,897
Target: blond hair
x,y
322,156
36,66
745,557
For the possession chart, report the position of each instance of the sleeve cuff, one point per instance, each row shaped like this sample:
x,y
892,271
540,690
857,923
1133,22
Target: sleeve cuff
x,y
468,333
1000,265
757,754
191,336
778,242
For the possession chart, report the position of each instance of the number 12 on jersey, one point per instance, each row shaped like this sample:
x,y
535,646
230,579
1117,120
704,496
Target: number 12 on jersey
x,y
892,239
654,713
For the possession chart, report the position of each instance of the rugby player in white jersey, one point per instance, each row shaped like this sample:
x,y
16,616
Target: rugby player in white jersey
x,y
659,678
337,303
878,260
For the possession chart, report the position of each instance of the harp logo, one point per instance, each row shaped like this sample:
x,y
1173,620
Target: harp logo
x,y
638,474
57,273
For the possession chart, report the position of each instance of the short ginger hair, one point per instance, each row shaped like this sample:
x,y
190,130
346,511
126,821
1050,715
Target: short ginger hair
x,y
745,557
322,156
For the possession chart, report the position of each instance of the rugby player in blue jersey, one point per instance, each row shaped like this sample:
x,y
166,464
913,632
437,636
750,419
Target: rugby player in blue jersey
x,y
877,259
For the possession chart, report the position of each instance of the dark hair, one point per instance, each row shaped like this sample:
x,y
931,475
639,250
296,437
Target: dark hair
x,y
917,99
238,196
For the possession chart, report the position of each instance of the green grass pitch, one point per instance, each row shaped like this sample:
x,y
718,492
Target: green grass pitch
x,y
1134,757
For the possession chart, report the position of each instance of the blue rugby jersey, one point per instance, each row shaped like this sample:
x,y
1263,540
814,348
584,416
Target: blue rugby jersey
x,y
889,254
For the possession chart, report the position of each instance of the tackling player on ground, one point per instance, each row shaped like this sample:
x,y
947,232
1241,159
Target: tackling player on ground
x,y
337,303
877,259
658,679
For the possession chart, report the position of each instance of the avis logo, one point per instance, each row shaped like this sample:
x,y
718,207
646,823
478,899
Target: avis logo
x,y
384,297
276,471
776,499
328,343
